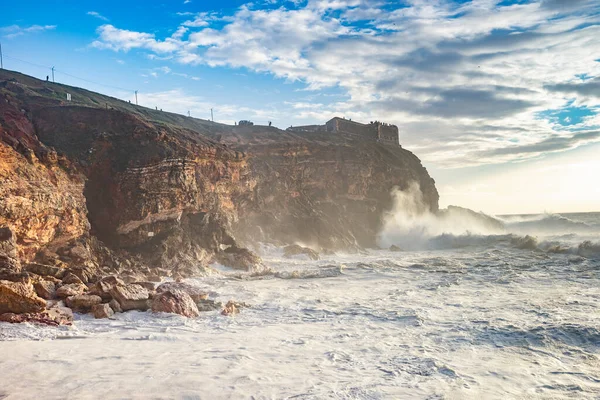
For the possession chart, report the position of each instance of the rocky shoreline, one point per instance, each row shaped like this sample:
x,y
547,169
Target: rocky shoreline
x,y
102,201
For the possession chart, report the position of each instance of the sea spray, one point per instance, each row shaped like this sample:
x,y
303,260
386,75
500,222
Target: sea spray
x,y
410,224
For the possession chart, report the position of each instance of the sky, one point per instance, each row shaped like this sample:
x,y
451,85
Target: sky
x,y
500,99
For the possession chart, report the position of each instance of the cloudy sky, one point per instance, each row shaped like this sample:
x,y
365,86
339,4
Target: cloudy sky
x,y
499,98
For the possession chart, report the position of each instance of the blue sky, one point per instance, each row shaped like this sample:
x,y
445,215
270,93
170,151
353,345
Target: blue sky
x,y
480,89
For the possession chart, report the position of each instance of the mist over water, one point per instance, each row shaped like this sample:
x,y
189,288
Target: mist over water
x,y
410,225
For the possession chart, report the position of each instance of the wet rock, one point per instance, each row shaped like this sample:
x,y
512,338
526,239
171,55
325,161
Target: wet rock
x,y
176,302
56,315
230,308
395,248
240,258
131,297
208,305
294,250
115,306
45,270
19,297
45,289
102,311
103,286
83,302
194,292
72,289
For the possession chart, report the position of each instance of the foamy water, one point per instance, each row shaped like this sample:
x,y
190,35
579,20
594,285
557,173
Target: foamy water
x,y
465,316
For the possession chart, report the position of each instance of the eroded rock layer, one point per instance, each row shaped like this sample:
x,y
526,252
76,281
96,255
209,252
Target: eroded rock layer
x,y
96,186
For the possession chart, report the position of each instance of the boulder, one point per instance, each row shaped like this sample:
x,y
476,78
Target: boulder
x,y
150,286
294,250
72,289
86,274
240,258
395,248
230,308
194,292
45,289
7,275
45,270
102,311
70,278
56,315
176,302
83,302
131,297
115,306
208,305
103,286
19,297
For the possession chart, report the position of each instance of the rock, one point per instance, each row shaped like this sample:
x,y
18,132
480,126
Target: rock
x,y
79,253
56,315
154,278
59,314
102,311
294,250
230,309
176,302
115,306
70,278
240,258
19,297
131,297
194,292
103,286
149,286
45,270
9,261
45,289
22,277
72,289
83,302
208,305
395,248
86,274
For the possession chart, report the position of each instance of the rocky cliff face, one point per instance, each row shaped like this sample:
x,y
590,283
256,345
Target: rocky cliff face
x,y
103,183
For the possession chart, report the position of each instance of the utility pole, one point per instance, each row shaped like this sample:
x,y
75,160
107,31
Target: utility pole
x,y
136,98
52,74
1,60
212,118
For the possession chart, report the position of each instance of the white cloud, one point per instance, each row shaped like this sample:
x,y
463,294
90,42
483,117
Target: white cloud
x,y
462,80
97,15
13,31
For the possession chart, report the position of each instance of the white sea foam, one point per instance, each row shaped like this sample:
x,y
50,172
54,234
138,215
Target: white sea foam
x,y
471,314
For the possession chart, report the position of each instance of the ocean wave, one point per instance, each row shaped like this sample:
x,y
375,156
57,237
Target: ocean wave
x,y
586,248
555,224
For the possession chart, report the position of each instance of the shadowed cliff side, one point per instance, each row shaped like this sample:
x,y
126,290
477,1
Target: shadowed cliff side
x,y
173,192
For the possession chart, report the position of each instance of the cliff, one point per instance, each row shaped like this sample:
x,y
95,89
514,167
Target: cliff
x,y
103,183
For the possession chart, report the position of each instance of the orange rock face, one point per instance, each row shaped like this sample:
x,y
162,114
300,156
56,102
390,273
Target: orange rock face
x,y
19,297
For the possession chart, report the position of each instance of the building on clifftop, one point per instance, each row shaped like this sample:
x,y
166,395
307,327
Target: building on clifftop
x,y
375,130
379,131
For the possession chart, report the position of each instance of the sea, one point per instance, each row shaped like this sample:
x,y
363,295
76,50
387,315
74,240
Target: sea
x,y
467,307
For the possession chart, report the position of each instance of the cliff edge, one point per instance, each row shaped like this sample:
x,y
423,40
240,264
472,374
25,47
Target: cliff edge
x,y
106,185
